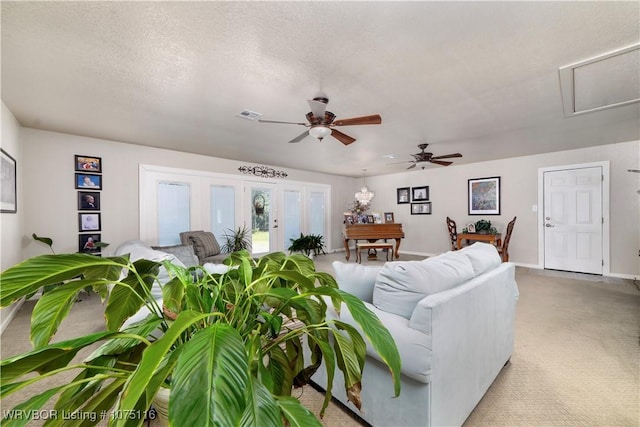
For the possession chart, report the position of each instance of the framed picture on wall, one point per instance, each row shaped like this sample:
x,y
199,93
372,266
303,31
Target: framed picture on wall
x,y
8,185
403,195
89,221
419,194
421,208
88,163
88,243
484,196
88,201
89,181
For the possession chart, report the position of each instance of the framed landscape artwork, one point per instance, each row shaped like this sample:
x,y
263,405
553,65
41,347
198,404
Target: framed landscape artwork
x,y
484,196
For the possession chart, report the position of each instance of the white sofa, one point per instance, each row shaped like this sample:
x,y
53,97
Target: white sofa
x,y
452,317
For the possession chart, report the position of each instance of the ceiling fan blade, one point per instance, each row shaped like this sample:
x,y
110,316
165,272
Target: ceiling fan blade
x,y
374,119
300,137
317,108
344,138
447,156
438,162
286,123
412,166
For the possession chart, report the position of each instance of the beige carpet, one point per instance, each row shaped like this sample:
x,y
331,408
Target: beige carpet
x,y
576,360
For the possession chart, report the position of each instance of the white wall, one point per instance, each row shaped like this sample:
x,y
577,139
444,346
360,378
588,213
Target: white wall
x,y
51,200
11,224
427,234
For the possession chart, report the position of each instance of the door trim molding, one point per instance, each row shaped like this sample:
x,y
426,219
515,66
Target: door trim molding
x,y
605,209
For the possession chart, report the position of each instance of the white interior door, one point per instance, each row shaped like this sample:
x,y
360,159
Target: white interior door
x,y
573,220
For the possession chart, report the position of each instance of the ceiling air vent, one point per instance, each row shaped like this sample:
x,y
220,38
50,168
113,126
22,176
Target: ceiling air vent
x,y
607,81
249,115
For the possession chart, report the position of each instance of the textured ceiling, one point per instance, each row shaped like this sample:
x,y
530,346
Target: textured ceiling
x,y
479,78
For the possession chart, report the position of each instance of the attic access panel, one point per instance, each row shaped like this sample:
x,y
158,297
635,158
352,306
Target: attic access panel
x,y
607,81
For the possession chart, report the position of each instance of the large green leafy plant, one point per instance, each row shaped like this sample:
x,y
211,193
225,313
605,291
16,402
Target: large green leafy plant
x,y
230,345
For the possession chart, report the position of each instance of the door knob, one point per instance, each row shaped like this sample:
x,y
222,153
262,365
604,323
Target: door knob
x,y
549,225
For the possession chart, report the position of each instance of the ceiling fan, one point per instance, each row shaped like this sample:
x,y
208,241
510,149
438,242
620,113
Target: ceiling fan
x,y
423,158
321,122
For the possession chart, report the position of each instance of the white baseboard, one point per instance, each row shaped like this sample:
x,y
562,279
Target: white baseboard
x,y
8,314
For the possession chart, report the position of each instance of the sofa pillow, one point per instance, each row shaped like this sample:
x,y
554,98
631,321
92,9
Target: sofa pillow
x,y
204,244
184,253
483,257
401,285
357,279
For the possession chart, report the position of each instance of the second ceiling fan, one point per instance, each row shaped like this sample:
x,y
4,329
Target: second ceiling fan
x,y
422,158
321,123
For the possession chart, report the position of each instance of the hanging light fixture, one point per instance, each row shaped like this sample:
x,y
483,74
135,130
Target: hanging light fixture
x,y
319,132
364,196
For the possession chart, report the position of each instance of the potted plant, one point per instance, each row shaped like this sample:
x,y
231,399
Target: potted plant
x,y
228,344
483,226
308,244
236,240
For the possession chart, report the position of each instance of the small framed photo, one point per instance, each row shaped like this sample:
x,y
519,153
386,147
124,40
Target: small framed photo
x,y
88,243
88,163
388,218
85,180
377,218
419,194
370,219
348,218
9,183
421,208
89,221
88,201
471,227
484,196
403,195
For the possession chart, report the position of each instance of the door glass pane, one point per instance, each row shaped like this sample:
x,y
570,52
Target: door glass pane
x,y
173,212
316,213
292,216
222,211
260,212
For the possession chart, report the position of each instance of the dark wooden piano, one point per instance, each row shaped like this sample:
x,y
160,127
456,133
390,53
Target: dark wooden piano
x,y
371,233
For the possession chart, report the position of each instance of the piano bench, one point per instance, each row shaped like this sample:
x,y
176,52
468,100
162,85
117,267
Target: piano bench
x,y
367,246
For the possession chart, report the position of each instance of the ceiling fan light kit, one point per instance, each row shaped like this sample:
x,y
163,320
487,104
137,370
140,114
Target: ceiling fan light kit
x,y
321,122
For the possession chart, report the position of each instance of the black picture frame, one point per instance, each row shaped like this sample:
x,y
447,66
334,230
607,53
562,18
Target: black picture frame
x,y
484,196
422,208
88,163
420,194
84,202
87,243
403,195
9,183
88,181
370,219
89,221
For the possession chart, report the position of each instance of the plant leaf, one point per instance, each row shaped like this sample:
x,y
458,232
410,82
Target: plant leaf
x,y
31,274
210,379
296,414
261,407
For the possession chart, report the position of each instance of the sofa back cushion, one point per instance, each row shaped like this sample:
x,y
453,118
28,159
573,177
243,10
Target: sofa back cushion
x,y
357,279
483,257
401,285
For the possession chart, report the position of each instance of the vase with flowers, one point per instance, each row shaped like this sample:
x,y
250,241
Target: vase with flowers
x,y
358,210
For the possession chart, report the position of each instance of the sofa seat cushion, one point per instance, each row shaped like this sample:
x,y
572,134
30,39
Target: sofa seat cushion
x,y
400,285
357,279
184,253
414,346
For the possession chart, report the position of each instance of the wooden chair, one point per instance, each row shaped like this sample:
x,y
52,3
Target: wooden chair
x,y
504,249
453,233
